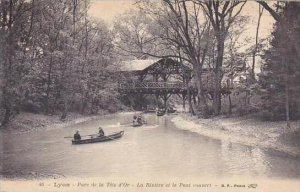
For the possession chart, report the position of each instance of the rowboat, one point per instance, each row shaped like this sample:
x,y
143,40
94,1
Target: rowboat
x,y
171,110
99,139
137,124
160,113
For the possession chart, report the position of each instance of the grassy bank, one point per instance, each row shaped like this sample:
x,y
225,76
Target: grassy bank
x,y
246,130
25,122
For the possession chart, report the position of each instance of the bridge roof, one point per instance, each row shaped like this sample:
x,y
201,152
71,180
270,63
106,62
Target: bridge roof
x,y
151,65
136,65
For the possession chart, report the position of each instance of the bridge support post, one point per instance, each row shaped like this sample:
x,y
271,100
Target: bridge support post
x,y
157,99
140,103
165,97
183,101
194,99
130,98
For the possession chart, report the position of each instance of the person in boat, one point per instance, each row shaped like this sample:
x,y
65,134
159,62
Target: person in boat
x,y
134,121
77,135
101,132
140,119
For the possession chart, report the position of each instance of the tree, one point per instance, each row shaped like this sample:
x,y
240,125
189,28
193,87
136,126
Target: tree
x,y
221,14
291,35
281,72
260,12
15,29
54,57
235,66
132,34
73,52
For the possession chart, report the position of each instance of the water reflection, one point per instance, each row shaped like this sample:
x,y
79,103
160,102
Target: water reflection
x,y
243,160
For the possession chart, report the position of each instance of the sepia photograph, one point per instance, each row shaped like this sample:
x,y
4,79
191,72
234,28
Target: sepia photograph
x,y
149,96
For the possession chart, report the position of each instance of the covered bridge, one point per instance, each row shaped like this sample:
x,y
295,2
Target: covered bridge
x,y
159,77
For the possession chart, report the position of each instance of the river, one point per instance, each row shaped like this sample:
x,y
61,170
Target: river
x,y
158,148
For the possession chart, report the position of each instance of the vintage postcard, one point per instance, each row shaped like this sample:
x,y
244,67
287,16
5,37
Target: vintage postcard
x,y
142,95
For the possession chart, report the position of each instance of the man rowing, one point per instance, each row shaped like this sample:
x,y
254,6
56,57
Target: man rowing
x,y
77,136
101,132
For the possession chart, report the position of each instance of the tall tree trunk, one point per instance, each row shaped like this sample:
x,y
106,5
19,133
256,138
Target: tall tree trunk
x,y
260,12
221,15
287,95
67,99
230,105
218,74
201,97
186,79
67,105
49,75
8,69
7,107
84,93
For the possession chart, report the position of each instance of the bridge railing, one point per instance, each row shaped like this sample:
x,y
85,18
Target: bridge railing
x,y
169,85
152,85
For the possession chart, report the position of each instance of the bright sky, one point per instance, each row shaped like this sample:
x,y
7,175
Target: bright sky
x,y
107,10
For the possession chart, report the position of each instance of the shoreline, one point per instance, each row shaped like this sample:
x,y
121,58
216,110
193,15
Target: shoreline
x,y
247,131
29,122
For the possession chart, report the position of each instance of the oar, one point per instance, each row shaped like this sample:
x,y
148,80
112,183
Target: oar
x,y
81,136
87,135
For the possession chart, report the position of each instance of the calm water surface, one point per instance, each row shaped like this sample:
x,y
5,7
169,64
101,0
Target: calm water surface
x,y
155,149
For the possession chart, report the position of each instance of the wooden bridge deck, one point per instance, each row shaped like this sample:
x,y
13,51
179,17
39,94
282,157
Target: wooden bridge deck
x,y
161,87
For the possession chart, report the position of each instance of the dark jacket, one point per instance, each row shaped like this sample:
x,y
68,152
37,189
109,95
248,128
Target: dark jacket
x,y
77,136
101,132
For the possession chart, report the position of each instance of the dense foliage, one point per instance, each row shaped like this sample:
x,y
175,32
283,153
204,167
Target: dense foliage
x,y
280,77
54,59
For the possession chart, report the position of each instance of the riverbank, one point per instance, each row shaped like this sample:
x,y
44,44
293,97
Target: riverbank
x,y
28,125
246,130
26,122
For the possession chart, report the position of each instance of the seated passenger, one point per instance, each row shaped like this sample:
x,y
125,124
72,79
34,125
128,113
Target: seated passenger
x,y
140,119
134,119
77,135
101,132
